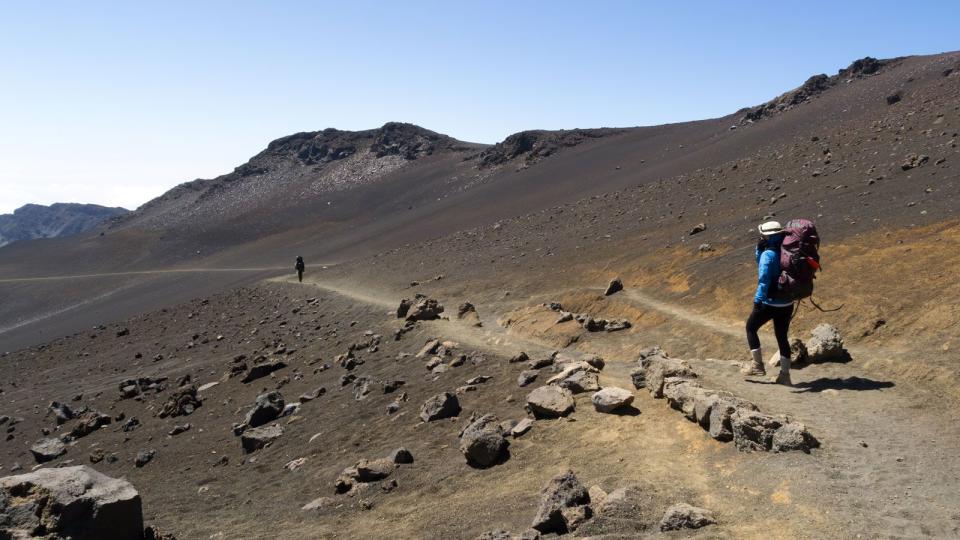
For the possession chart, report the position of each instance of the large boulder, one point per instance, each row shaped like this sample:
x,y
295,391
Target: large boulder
x,y
46,450
825,344
685,516
611,399
550,402
70,502
559,501
445,405
266,408
482,442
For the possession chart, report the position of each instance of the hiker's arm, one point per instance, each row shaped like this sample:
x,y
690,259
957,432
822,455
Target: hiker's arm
x,y
765,277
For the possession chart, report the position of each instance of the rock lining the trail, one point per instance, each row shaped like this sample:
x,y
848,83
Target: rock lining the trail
x,y
564,505
726,417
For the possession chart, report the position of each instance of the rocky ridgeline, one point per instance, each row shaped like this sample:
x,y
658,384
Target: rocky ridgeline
x,y
816,85
725,416
567,506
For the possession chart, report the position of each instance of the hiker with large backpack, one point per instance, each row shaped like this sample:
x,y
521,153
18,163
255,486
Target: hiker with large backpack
x,y
300,268
787,260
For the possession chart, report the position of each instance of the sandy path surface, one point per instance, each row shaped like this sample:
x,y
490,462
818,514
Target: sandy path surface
x,y
880,471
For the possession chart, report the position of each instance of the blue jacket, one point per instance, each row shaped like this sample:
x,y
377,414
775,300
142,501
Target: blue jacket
x,y
768,268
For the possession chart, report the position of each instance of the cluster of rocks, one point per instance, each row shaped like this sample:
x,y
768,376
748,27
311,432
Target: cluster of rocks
x,y
135,388
443,355
365,473
588,322
572,376
181,402
566,505
255,431
72,502
725,416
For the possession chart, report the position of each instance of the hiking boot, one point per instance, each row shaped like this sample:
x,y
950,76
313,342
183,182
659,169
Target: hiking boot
x,y
784,376
754,368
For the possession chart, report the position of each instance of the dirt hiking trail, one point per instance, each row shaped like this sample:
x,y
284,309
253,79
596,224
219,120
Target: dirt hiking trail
x,y
878,469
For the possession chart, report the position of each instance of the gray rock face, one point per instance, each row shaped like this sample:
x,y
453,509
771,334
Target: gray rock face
x,y
682,395
563,493
266,408
262,370
825,344
254,439
611,398
793,436
685,516
70,502
445,405
48,450
526,377
59,219
581,381
550,402
721,413
483,443
614,286
753,430
426,309
657,368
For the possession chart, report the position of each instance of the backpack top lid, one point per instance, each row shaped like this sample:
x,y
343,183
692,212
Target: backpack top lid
x,y
802,235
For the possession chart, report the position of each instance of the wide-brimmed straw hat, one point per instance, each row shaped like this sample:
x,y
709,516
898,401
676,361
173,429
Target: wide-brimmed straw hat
x,y
770,228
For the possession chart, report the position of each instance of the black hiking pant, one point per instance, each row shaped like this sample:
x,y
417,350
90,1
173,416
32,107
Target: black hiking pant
x,y
761,315
300,275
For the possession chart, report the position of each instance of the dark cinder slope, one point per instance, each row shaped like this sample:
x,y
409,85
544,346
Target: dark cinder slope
x,y
333,196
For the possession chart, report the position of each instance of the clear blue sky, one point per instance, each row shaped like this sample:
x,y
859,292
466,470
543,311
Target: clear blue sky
x,y
115,102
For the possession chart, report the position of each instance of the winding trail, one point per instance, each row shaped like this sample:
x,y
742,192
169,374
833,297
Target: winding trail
x,y
887,461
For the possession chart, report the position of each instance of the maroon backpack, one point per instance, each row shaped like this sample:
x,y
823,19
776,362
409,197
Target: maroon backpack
x,y
799,260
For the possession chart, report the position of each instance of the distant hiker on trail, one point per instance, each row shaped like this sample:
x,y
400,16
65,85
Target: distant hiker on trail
x,y
300,267
766,307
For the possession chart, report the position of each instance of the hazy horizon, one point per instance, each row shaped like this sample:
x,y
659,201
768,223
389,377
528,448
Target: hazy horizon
x,y
114,104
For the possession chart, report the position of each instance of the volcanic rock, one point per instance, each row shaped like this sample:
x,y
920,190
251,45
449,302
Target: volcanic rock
x,y
684,516
611,398
482,442
254,439
181,402
440,406
426,309
262,370
527,376
70,502
562,493
265,409
550,402
825,344
614,286
48,450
